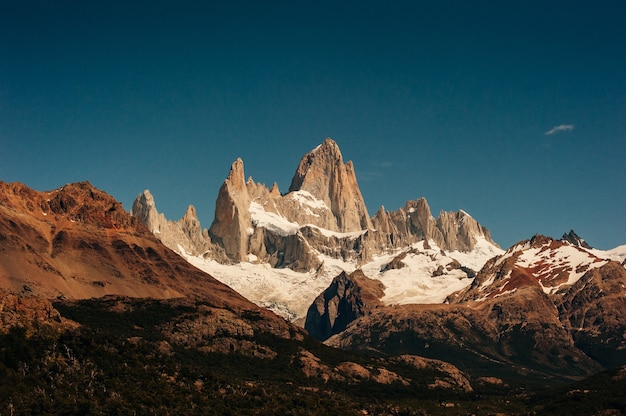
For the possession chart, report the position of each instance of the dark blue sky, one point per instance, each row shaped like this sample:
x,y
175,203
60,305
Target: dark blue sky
x,y
450,100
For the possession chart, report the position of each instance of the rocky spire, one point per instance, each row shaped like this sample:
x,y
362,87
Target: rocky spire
x,y
323,174
574,239
185,233
232,214
144,209
422,223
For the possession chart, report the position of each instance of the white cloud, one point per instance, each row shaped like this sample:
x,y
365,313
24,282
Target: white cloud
x,y
559,128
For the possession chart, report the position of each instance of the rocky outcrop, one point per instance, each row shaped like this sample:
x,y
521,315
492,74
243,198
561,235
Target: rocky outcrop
x,y
348,371
594,310
575,240
349,297
30,312
451,376
182,235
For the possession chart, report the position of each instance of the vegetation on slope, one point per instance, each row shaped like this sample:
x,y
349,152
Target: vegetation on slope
x,y
124,359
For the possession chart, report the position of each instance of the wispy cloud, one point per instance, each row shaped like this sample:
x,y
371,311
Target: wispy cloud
x,y
559,128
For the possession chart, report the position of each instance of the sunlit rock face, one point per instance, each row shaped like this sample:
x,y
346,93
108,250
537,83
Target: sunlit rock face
x,y
232,214
323,174
184,234
455,230
324,213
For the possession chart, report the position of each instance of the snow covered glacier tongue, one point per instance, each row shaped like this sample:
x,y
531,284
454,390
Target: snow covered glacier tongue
x,y
318,229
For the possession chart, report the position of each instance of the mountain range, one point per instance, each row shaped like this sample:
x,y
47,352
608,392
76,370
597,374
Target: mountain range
x,y
290,246
413,302
314,256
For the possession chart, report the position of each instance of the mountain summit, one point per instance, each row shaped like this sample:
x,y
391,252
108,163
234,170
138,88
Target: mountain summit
x,y
575,240
323,174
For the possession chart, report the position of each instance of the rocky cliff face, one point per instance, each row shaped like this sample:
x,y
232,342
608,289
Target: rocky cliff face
x,y
460,231
232,214
184,234
414,222
323,174
593,310
348,297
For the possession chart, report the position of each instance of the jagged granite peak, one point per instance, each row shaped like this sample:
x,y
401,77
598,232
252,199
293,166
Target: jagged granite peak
x,y
184,235
323,214
460,230
322,173
414,222
232,214
254,221
574,239
274,191
422,223
326,154
144,209
236,176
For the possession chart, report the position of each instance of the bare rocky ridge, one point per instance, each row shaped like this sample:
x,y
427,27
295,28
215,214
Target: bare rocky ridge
x,y
414,222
